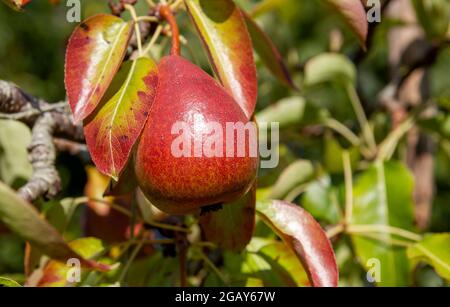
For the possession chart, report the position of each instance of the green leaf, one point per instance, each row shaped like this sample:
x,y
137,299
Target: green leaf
x,y
321,199
222,28
333,156
8,283
354,15
382,195
22,218
329,67
433,15
268,52
434,249
295,175
15,137
232,226
305,237
291,111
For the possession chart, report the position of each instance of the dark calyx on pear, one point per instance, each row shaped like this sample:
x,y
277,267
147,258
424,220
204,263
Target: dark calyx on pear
x,y
182,185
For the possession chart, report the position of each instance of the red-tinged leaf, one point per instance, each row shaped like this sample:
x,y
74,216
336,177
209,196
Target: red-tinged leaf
x,y
268,52
222,28
232,226
54,273
354,15
112,130
16,4
23,219
305,237
94,54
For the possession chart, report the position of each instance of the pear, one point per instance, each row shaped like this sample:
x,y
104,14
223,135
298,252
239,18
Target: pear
x,y
189,156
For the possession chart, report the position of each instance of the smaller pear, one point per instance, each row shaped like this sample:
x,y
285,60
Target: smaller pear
x,y
183,160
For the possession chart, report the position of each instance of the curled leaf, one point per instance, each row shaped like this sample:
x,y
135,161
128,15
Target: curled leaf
x,y
222,28
354,15
305,237
94,54
112,130
268,52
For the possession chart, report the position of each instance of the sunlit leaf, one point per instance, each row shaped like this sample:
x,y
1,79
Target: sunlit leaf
x,y
22,218
329,67
322,201
305,237
268,52
8,283
434,249
232,226
290,112
56,273
296,174
354,15
94,54
222,28
112,130
383,196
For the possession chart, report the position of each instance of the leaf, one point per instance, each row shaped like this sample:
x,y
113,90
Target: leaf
x,y
322,201
25,221
93,56
222,28
232,226
290,112
433,15
8,283
355,16
305,237
113,129
329,67
268,52
15,168
16,4
295,175
383,196
434,249
55,273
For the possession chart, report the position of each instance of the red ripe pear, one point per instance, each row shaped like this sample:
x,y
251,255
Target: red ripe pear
x,y
184,184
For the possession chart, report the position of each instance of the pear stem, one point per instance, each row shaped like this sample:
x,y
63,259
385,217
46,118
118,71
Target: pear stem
x,y
166,13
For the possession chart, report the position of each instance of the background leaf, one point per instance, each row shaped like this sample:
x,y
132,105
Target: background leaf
x,y
268,52
434,249
14,140
222,28
232,226
329,67
305,237
93,56
383,196
25,221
